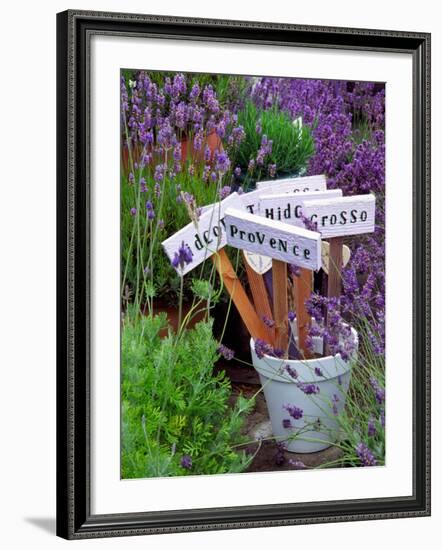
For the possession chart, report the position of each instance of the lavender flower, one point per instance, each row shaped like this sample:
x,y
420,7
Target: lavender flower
x,y
182,257
271,170
198,141
194,92
308,389
366,457
262,348
133,211
237,136
318,371
166,135
177,153
225,192
226,352
294,411
159,172
371,428
268,322
280,454
293,373
294,270
286,423
186,462
206,172
222,162
308,223
379,391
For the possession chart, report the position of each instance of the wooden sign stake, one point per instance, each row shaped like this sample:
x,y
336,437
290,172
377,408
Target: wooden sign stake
x,y
302,288
334,272
280,306
260,299
234,287
334,269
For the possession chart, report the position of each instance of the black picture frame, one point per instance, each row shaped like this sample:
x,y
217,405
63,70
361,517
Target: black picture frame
x,y
74,518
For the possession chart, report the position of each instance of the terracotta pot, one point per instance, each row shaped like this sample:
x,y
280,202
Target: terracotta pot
x,y
213,141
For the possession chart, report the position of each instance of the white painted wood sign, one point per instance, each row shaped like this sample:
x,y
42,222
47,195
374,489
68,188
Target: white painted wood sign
x,y
342,216
204,240
305,184
278,240
287,207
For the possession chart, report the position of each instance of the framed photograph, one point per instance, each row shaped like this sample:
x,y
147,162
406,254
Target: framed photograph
x,y
243,274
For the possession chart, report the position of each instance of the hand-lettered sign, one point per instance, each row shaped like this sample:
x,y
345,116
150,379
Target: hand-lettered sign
x,y
305,184
290,185
287,207
280,241
341,216
204,239
250,200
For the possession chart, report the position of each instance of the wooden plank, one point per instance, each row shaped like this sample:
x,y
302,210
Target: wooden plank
x,y
342,216
280,241
287,207
203,238
280,306
233,285
260,299
302,289
334,267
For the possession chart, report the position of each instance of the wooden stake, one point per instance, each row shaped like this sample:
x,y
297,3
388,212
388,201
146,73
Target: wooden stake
x,y
234,287
280,306
302,288
334,267
260,299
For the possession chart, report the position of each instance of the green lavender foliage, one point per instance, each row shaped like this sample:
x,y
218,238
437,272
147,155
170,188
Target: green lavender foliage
x,y
292,144
362,406
174,405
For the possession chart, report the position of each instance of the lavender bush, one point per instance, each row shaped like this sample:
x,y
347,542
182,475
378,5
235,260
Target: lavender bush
x,y
347,123
176,140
